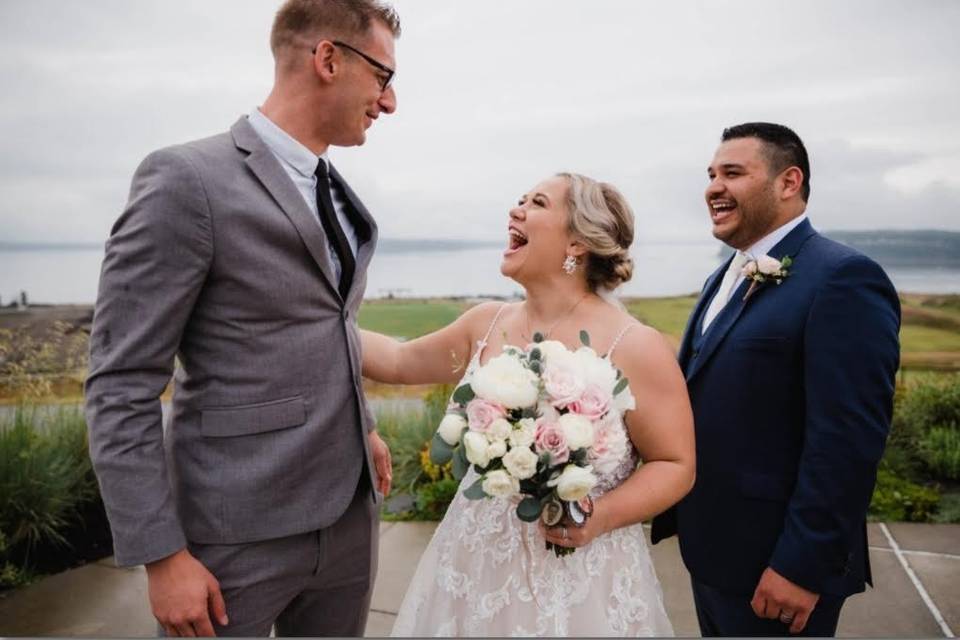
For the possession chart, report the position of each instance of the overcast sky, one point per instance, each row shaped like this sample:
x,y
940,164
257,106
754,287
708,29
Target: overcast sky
x,y
494,95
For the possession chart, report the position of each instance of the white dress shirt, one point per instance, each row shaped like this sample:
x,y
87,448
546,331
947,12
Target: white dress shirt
x,y
301,164
765,244
761,247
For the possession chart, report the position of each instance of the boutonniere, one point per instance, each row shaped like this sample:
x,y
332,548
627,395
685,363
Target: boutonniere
x,y
762,269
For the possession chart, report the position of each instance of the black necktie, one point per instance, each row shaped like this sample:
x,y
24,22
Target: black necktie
x,y
328,218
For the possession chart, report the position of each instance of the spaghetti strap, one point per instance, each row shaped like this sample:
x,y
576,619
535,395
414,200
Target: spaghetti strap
x,y
482,344
623,332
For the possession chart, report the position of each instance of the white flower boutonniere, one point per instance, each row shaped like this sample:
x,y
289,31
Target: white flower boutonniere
x,y
762,269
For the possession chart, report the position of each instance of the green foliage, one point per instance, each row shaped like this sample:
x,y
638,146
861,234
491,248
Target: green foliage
x,y
409,433
10,575
433,498
897,499
405,432
940,451
45,477
928,401
949,511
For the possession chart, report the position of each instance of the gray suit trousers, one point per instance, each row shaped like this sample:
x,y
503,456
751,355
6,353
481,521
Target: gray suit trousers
x,y
312,584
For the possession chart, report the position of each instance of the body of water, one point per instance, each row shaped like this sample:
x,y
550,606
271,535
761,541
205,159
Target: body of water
x,y
69,275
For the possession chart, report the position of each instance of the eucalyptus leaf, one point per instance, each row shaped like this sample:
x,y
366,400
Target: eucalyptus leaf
x,y
460,463
538,337
528,510
585,338
440,451
620,386
464,394
535,353
475,491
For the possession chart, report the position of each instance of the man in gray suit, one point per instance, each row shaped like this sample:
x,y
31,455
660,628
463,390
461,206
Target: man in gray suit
x,y
244,255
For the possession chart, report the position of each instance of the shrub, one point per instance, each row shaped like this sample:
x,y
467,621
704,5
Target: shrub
x,y
408,433
897,499
949,511
433,498
45,479
929,401
939,449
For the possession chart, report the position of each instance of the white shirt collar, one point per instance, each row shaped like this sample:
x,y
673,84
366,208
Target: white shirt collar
x,y
764,245
285,146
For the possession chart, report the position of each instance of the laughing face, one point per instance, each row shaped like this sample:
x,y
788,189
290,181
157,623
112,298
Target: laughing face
x,y
538,238
741,196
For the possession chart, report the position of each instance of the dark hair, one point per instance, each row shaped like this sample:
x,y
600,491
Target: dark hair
x,y
313,19
783,148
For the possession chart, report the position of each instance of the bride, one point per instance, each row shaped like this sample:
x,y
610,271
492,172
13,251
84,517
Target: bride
x,y
485,572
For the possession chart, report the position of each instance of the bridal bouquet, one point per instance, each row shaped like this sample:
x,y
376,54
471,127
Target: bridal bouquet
x,y
538,423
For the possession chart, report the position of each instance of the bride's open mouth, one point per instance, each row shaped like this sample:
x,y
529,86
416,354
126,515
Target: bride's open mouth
x,y
515,241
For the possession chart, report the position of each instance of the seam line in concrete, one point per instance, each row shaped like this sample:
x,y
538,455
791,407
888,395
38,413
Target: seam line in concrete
x,y
911,552
944,627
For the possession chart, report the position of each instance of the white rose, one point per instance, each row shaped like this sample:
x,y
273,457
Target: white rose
x,y
547,412
496,449
524,433
577,430
499,429
767,265
549,348
596,371
476,446
521,462
451,428
506,381
575,482
500,484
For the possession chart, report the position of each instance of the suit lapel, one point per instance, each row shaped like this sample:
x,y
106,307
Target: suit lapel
x,y
267,169
693,322
366,238
789,246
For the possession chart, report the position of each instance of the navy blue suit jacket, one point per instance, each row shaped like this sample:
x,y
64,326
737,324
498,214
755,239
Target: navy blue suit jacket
x,y
792,395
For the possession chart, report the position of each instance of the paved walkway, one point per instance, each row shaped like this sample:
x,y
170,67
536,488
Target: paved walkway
x,y
917,569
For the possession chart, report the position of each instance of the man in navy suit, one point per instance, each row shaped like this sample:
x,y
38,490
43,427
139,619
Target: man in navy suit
x,y
791,370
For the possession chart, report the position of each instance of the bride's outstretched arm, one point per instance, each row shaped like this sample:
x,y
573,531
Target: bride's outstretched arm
x,y
661,428
438,357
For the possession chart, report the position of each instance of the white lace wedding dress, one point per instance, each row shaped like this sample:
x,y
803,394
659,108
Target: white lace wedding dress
x,y
487,573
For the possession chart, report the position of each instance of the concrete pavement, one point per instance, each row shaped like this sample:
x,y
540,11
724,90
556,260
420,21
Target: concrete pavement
x,y
917,570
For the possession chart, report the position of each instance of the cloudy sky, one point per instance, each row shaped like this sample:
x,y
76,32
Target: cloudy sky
x,y
495,95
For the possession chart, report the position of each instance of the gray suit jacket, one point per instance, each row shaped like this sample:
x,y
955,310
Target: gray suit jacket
x,y
217,260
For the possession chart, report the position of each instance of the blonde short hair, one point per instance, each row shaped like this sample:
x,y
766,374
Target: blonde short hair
x,y
602,220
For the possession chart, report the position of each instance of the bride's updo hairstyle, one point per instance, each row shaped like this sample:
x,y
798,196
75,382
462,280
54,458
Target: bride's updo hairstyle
x,y
601,219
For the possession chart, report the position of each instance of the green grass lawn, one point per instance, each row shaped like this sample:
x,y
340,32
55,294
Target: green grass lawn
x,y
667,315
922,339
929,335
409,318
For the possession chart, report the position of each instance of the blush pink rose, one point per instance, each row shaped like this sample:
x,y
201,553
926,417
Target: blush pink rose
x,y
480,414
550,440
562,385
593,403
768,266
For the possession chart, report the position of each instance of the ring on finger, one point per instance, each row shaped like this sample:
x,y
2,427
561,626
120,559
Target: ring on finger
x,y
786,618
563,533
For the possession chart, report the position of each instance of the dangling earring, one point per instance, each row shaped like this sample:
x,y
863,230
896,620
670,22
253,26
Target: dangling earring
x,y
570,265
